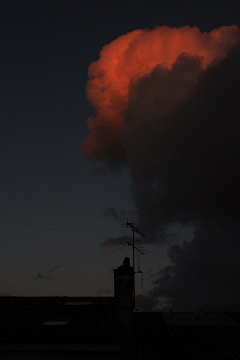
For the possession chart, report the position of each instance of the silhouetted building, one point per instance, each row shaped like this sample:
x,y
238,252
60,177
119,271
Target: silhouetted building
x,y
94,328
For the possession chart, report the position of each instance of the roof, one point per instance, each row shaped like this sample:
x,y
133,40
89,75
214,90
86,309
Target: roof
x,y
199,338
198,318
88,324
25,318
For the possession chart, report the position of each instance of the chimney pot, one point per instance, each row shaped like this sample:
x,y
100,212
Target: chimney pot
x,y
126,261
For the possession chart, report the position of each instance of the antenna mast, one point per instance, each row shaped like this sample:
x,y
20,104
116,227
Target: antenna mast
x,y
134,229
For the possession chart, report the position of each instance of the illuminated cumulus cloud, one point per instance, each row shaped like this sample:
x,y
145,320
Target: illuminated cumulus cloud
x,y
164,102
167,106
129,58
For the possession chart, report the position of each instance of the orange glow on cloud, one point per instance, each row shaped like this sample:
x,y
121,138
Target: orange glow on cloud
x,y
132,56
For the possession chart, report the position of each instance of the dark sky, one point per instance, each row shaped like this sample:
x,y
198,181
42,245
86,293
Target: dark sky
x,y
53,201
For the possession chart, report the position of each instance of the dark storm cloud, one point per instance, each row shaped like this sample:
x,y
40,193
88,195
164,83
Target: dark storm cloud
x,y
184,153
205,271
181,145
185,169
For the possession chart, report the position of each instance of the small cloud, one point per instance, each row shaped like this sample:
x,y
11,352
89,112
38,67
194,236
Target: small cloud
x,y
54,268
111,213
163,274
4,295
110,241
42,277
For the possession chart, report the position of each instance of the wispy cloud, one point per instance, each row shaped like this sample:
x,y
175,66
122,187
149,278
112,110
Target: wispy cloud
x,y
42,277
110,241
111,212
117,214
54,268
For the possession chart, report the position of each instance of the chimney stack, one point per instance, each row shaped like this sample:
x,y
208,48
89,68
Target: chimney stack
x,y
123,293
123,282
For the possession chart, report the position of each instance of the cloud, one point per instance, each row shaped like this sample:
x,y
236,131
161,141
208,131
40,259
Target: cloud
x,y
111,241
129,58
42,277
55,268
188,159
111,212
195,180
45,277
167,107
205,271
119,215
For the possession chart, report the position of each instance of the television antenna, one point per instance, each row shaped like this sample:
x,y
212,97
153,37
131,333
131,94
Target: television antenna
x,y
129,223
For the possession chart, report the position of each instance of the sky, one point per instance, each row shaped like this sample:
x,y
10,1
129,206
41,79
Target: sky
x,y
160,146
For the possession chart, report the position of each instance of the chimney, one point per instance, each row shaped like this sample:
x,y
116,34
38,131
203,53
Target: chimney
x,y
123,294
123,282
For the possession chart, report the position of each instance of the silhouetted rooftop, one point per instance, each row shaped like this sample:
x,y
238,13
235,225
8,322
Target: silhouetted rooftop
x,y
24,318
88,324
188,336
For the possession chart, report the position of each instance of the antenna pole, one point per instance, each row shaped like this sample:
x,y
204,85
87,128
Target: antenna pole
x,y
133,270
133,247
